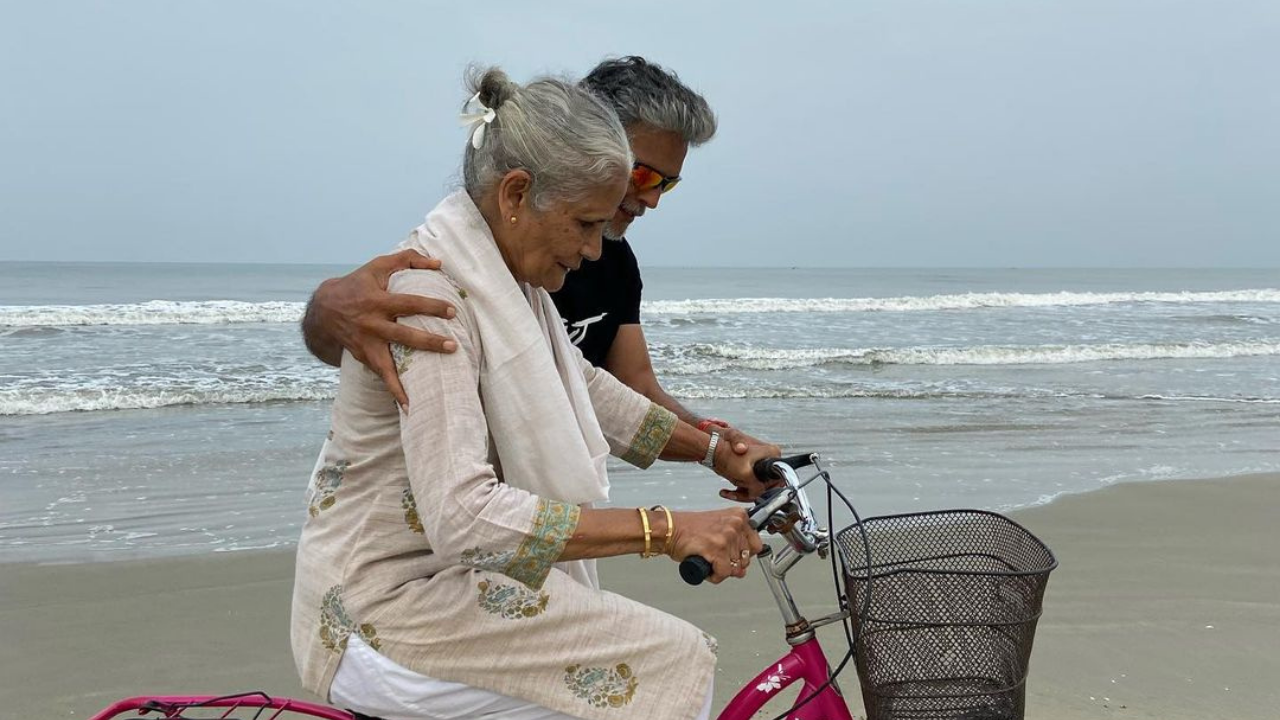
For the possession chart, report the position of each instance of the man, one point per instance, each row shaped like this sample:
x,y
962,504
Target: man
x,y
600,302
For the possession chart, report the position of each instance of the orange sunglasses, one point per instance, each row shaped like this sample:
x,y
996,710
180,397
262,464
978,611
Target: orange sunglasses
x,y
646,178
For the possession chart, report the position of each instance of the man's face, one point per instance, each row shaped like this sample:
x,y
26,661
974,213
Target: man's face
x,y
661,150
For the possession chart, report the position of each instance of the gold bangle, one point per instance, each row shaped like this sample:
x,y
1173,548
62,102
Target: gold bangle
x,y
666,541
648,533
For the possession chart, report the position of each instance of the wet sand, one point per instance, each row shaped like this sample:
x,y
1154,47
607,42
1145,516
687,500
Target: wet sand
x,y
1166,605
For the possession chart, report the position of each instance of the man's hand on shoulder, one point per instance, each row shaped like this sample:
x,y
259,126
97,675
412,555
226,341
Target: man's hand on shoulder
x,y
356,312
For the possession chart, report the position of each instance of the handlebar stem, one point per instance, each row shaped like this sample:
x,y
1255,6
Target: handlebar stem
x,y
775,576
803,537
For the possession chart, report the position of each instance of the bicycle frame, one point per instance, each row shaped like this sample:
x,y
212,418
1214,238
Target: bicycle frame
x,y
806,662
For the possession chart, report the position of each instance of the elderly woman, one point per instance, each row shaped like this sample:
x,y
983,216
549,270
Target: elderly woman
x,y
446,568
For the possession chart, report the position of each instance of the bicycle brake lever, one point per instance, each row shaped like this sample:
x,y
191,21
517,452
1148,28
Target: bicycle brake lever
x,y
769,503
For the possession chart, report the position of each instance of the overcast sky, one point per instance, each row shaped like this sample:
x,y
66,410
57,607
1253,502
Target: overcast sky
x,y
996,133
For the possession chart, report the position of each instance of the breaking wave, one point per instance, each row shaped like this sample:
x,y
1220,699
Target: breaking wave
x,y
747,392
110,389
221,312
702,357
154,312
694,371
963,301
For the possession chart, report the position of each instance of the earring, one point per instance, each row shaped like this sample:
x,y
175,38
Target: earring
x,y
513,219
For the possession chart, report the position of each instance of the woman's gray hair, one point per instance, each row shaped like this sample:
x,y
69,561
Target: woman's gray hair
x,y
567,139
644,93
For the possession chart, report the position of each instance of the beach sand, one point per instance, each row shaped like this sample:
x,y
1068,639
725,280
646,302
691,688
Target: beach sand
x,y
1166,605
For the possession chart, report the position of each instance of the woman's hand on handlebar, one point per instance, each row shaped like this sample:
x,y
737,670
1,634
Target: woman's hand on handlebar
x,y
723,537
738,468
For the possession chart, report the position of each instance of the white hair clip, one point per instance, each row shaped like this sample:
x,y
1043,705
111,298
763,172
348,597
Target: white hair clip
x,y
476,116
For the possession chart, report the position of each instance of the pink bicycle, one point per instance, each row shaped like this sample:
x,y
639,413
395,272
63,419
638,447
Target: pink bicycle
x,y
910,564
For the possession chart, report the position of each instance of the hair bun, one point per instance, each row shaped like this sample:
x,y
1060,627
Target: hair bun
x,y
493,85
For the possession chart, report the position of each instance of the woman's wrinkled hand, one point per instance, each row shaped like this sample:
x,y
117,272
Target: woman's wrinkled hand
x,y
722,537
357,311
738,468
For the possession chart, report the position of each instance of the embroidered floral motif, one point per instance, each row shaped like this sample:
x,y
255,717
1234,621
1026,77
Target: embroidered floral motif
x,y
553,524
462,293
336,625
327,480
402,355
487,559
652,436
602,687
411,511
512,601
712,645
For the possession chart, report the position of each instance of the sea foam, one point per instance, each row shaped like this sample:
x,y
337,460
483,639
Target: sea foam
x,y
154,312
216,312
700,358
962,301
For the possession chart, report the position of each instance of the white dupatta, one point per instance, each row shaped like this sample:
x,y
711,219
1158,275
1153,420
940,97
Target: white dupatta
x,y
535,398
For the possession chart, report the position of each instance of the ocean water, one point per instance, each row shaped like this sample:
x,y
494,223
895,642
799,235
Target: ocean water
x,y
157,409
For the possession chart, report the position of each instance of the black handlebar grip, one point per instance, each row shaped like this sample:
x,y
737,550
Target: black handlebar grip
x,y
764,469
694,569
764,466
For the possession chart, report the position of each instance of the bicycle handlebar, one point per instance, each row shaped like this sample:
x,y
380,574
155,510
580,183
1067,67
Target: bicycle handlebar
x,y
797,525
764,467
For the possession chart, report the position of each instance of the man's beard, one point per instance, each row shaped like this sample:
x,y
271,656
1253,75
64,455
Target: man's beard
x,y
636,209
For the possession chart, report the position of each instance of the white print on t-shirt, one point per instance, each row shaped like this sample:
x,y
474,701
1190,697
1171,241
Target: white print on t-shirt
x,y
578,330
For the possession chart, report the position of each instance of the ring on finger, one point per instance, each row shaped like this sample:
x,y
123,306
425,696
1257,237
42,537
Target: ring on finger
x,y
734,563
746,554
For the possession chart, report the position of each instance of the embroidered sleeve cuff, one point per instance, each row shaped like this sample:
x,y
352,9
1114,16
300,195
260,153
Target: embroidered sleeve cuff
x,y
655,430
553,525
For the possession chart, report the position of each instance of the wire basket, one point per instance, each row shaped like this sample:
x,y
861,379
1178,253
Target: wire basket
x,y
945,606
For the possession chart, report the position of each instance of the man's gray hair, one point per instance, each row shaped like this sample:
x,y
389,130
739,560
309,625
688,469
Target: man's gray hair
x,y
644,93
567,139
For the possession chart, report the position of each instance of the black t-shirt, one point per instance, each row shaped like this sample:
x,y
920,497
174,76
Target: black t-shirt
x,y
599,297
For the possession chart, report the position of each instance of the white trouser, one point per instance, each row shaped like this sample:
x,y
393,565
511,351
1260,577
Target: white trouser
x,y
371,684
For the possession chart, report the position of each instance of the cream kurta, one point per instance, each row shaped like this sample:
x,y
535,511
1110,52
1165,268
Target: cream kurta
x,y
414,543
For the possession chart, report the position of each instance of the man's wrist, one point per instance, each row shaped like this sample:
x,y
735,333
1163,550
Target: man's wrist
x,y
709,460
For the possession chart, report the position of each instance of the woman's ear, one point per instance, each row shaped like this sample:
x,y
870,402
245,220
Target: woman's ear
x,y
514,194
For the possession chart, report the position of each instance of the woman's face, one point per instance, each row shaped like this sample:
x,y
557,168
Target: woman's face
x,y
547,244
